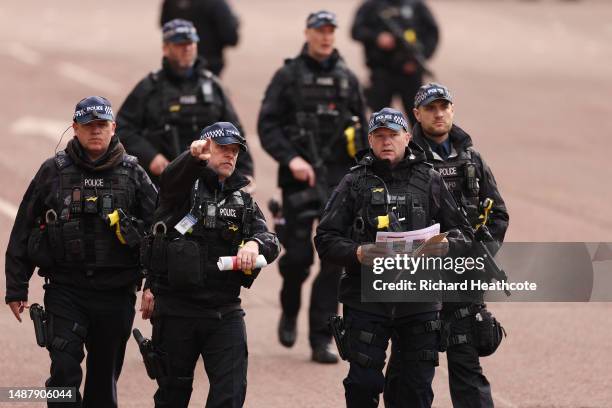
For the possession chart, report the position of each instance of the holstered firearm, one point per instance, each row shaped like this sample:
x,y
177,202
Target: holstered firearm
x,y
39,317
154,359
336,325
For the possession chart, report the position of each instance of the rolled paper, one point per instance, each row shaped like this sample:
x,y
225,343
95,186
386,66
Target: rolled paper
x,y
228,263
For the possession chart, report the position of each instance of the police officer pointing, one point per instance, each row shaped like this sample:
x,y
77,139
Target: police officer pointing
x,y
309,123
391,178
470,180
167,109
80,222
203,215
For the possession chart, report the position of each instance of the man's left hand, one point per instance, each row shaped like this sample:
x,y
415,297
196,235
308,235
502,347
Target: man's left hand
x,y
247,256
147,303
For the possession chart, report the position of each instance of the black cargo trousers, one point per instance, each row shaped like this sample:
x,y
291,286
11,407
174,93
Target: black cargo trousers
x,y
221,341
99,320
416,337
469,388
294,267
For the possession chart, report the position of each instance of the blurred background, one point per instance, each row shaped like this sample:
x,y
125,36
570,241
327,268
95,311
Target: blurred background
x,y
531,81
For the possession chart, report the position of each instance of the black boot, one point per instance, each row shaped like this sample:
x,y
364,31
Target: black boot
x,y
322,354
287,330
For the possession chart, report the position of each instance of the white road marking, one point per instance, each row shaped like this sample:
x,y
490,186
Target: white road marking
x,y
22,53
8,209
89,78
496,396
50,128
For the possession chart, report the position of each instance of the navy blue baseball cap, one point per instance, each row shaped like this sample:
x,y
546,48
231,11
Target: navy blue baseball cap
x,y
224,133
321,18
179,30
388,118
431,92
93,108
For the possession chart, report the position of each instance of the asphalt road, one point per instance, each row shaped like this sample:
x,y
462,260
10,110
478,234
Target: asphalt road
x,y
531,83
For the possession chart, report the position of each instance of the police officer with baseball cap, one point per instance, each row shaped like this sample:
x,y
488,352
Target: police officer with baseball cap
x,y
214,20
471,182
391,180
167,109
203,215
312,123
80,222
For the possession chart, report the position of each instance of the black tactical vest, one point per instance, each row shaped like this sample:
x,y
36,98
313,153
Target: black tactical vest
x,y
461,177
222,224
187,110
321,98
82,236
406,195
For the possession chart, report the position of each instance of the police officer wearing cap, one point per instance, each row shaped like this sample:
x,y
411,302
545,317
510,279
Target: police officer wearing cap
x,y
398,36
311,123
165,112
80,222
392,176
470,180
215,22
203,215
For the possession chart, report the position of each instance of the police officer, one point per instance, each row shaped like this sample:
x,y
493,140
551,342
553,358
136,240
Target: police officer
x,y
202,216
310,123
470,180
215,22
392,177
91,268
165,112
398,36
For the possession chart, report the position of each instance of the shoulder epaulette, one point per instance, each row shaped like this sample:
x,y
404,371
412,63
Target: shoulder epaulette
x,y
62,160
129,160
154,75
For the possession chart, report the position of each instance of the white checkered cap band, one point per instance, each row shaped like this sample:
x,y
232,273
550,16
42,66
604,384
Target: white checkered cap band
x,y
386,118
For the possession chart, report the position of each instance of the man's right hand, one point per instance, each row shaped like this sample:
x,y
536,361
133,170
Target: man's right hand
x,y
385,41
302,170
200,149
158,164
17,308
366,253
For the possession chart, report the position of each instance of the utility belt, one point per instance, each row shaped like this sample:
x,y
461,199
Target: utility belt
x,y
346,335
485,332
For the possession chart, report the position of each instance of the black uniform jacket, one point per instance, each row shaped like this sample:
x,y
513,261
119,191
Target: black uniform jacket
x,y
368,25
461,141
333,240
278,111
142,114
177,182
42,189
